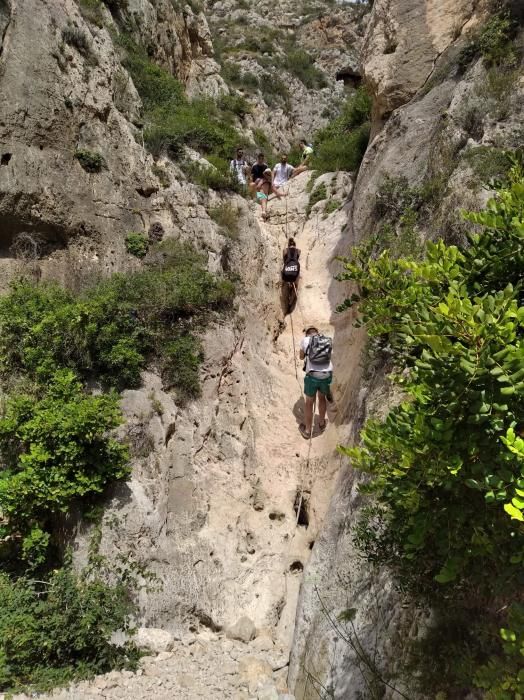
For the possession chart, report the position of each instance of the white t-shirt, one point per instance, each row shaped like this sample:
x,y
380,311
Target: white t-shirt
x,y
282,173
314,366
237,166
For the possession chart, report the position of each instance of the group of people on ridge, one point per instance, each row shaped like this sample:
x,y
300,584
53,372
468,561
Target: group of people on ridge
x,y
261,180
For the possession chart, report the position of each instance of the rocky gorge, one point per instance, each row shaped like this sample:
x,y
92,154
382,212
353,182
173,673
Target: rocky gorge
x,y
247,528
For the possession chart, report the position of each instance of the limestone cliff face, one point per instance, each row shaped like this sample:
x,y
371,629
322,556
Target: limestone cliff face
x,y
64,90
433,118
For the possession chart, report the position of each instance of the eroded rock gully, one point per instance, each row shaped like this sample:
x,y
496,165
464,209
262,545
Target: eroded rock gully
x,y
213,509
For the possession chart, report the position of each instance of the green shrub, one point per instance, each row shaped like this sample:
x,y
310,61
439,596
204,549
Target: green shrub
x,y
171,122
55,448
90,161
342,143
137,244
57,630
76,37
114,329
302,66
331,206
216,177
494,43
317,195
92,11
447,464
162,174
183,357
226,216
488,162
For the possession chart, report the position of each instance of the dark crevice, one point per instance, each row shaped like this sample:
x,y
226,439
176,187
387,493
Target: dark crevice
x,y
300,507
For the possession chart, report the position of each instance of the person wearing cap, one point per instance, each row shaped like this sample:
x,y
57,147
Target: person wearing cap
x,y
264,186
317,382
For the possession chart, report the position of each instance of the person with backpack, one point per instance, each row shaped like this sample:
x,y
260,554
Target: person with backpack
x,y
282,172
291,269
316,350
239,167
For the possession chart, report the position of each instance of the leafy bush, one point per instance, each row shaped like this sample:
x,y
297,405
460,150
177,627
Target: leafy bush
x,y
302,66
447,463
331,206
56,630
90,161
92,11
488,162
137,244
114,329
493,43
342,143
317,195
170,120
226,216
55,448
217,176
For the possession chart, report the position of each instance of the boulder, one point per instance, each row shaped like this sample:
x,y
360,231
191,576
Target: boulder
x,y
244,630
156,640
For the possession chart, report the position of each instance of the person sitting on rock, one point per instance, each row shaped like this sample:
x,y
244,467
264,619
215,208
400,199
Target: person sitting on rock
x,y
315,349
282,172
257,171
305,162
264,187
240,167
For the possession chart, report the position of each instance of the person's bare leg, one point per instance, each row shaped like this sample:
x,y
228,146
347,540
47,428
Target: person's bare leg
x,y
322,406
264,208
308,413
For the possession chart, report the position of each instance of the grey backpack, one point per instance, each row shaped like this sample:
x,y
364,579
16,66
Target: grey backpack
x,y
319,349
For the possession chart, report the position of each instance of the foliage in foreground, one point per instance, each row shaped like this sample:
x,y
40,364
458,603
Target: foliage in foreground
x,y
342,143
55,631
447,464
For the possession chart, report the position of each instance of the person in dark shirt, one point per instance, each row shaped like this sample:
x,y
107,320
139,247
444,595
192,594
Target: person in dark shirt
x,y
257,171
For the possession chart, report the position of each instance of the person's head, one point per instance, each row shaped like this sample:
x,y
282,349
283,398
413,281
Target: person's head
x,y
291,243
303,143
311,330
260,158
267,173
283,157
240,153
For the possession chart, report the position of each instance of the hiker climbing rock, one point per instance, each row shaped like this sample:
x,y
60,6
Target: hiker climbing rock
x,y
240,167
282,172
316,349
305,161
290,274
264,187
257,172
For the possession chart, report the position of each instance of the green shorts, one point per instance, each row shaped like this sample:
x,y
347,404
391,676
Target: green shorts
x,y
312,385
260,197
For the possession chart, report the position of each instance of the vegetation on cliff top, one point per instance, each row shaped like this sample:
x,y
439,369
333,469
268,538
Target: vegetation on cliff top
x,y
447,491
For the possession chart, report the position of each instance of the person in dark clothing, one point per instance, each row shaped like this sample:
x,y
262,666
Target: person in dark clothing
x,y
290,274
291,252
257,170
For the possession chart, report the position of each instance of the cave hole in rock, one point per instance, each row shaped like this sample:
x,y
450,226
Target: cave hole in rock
x,y
26,239
296,567
300,507
6,157
311,544
276,515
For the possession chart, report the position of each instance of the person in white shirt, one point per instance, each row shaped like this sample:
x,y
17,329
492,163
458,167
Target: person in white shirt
x,y
317,382
240,167
282,172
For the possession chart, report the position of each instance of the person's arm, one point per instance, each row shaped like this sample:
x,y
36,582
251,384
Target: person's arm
x,y
284,254
303,347
298,253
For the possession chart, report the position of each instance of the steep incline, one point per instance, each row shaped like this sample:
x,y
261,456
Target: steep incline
x,y
253,527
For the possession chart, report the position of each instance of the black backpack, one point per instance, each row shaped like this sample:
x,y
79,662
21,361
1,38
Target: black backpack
x,y
319,349
291,269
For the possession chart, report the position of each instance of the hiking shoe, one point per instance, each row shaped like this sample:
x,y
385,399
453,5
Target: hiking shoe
x,y
304,432
322,426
